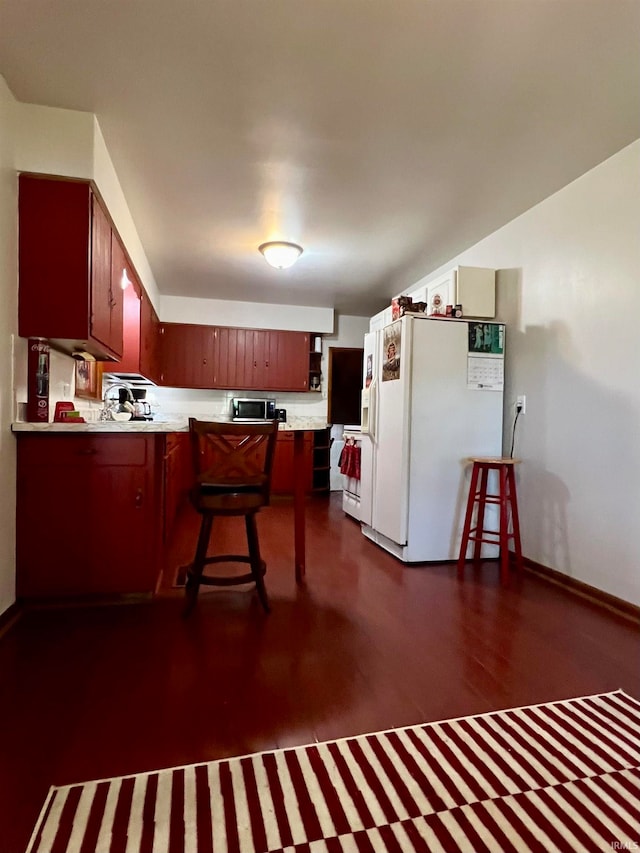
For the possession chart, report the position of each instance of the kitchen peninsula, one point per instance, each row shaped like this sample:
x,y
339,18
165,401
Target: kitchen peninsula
x,y
95,502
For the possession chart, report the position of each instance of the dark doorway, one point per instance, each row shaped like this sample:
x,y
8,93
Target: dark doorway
x,y
345,385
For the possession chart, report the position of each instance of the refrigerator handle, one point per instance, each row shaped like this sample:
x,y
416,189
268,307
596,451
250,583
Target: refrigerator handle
x,y
373,407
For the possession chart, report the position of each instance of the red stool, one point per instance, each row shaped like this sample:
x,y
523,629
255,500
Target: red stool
x,y
506,500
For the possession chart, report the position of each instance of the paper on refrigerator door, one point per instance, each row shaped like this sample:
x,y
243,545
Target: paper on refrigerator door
x,y
485,372
392,344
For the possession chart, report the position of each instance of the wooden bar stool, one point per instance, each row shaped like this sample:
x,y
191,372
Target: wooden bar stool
x,y
506,499
232,466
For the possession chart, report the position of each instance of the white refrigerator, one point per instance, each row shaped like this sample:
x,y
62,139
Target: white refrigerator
x,y
432,396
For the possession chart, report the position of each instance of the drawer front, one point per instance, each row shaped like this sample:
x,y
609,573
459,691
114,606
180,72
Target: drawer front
x,y
89,450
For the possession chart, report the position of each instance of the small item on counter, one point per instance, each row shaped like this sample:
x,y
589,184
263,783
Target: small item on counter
x,y
399,305
457,311
436,308
449,310
141,408
67,413
38,381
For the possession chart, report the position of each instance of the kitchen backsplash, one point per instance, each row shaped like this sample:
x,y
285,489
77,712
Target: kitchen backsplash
x,y
185,401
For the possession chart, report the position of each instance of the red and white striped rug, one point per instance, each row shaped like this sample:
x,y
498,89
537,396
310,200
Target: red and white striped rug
x,y
562,776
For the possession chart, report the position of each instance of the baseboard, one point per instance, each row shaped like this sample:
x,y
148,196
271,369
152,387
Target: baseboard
x,y
584,590
9,618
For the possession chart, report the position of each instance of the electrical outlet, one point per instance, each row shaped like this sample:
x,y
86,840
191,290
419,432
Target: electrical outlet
x,y
521,404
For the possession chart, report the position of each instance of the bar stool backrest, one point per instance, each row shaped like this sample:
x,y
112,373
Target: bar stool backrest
x,y
233,457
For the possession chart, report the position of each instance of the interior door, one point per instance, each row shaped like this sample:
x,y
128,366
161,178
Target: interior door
x,y
345,385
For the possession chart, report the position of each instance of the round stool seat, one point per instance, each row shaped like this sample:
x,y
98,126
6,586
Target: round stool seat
x,y
493,460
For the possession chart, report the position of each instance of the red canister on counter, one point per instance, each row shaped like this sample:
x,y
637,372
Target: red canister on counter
x,y
38,381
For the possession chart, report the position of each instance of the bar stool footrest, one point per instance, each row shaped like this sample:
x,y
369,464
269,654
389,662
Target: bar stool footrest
x,y
225,580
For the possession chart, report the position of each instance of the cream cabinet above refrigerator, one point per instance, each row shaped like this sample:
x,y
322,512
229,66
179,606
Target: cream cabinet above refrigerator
x,y
474,288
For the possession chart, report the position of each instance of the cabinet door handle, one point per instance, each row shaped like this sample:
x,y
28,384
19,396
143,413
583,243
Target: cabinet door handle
x,y
204,360
139,499
266,364
255,363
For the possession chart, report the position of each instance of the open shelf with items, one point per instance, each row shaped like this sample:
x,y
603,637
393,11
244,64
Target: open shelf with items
x,y
321,461
315,360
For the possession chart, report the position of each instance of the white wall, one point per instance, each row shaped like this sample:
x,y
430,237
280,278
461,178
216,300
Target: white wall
x,y
250,315
569,289
54,141
8,329
108,184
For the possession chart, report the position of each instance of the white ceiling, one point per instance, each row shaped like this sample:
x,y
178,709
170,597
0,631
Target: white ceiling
x,y
384,136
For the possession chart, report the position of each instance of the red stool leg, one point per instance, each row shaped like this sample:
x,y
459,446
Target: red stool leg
x,y
482,502
515,520
473,485
504,525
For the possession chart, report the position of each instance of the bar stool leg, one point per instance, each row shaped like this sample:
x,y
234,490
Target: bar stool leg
x,y
504,526
482,502
473,485
195,570
515,520
256,562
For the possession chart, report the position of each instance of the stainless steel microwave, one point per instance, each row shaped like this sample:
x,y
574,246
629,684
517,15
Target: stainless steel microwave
x,y
251,409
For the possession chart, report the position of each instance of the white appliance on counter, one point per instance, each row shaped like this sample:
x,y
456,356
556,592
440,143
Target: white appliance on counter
x,y
351,485
433,396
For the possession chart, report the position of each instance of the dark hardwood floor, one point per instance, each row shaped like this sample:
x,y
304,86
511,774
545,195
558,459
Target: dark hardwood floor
x,y
88,692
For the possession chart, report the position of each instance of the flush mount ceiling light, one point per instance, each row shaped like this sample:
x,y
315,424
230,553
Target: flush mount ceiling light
x,y
279,254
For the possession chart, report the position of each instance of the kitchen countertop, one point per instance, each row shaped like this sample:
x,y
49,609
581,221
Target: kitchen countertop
x,y
177,424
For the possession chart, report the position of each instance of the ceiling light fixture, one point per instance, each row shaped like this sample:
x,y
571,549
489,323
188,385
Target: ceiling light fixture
x,y
279,254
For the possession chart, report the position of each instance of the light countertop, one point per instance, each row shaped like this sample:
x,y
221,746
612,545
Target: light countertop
x,y
176,424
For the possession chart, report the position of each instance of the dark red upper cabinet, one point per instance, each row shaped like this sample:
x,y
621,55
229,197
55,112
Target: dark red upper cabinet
x,y
186,355
287,361
140,324
66,291
149,339
261,359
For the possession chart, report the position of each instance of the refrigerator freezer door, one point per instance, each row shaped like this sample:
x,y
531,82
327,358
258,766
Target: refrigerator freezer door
x,y
367,460
366,480
391,449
